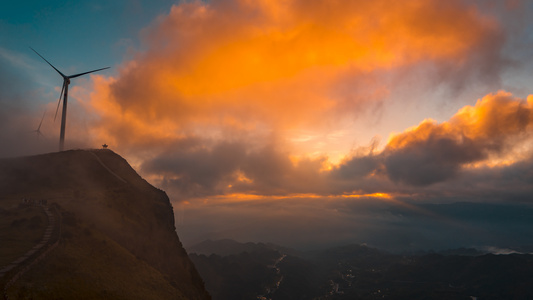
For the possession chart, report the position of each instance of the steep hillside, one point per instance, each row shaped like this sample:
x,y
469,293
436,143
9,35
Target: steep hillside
x,y
118,237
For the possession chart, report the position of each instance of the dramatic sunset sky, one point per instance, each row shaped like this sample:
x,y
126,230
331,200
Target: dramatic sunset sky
x,y
293,121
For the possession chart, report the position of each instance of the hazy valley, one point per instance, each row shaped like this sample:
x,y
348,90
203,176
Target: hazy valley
x,y
235,270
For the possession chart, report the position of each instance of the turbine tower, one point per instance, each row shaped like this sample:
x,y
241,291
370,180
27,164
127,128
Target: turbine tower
x,y
64,93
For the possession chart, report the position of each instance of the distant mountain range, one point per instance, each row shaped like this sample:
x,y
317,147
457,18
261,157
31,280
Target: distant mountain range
x,y
115,232
234,270
225,247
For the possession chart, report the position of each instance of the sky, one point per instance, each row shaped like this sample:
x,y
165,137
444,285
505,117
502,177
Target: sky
x,y
303,123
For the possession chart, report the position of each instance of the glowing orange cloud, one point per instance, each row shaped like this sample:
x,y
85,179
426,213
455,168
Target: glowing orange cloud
x,y
255,66
493,119
491,130
257,42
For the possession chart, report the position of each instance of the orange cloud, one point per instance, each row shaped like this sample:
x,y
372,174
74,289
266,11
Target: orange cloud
x,y
493,119
431,152
246,43
249,66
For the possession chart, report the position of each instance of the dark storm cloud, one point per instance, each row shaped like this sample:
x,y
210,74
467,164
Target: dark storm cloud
x,y
509,183
358,167
196,169
269,168
431,160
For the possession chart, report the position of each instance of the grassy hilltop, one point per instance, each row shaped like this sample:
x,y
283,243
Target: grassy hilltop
x,y
118,237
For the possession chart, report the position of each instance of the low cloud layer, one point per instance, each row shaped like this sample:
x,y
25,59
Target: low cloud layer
x,y
494,135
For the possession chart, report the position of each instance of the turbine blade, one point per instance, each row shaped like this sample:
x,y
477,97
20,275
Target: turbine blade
x,y
60,96
62,75
77,75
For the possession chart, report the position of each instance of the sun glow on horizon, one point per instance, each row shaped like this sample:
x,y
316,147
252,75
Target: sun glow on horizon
x,y
239,197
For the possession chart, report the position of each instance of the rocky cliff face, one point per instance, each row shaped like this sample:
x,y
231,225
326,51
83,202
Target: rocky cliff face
x,y
118,236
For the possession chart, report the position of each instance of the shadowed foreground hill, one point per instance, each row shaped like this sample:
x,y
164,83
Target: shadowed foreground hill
x,y
118,237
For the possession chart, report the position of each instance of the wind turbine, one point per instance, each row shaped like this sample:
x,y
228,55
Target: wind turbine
x,y
38,130
64,93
